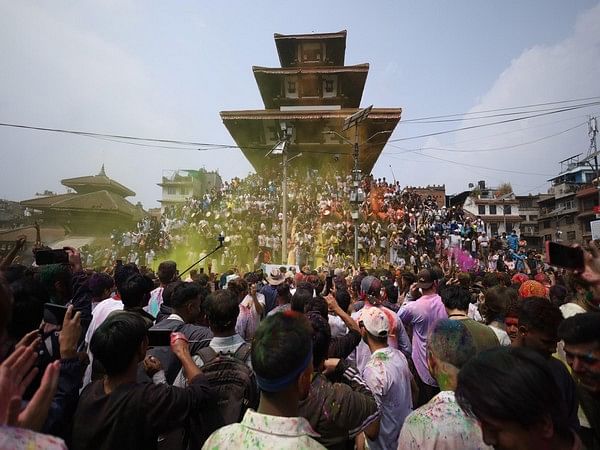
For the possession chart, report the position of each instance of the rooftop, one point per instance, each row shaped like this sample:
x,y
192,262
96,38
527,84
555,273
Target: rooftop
x,y
288,53
105,201
93,183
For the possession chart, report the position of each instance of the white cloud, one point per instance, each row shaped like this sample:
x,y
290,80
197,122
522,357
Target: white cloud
x,y
568,69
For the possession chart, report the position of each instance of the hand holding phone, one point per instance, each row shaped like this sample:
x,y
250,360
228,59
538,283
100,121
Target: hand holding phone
x,y
49,256
159,338
564,256
54,314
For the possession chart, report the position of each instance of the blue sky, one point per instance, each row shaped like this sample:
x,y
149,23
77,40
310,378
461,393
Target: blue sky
x,y
165,70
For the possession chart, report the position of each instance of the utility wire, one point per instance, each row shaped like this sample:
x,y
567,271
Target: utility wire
x,y
200,146
216,146
489,116
480,167
499,109
116,136
493,149
437,133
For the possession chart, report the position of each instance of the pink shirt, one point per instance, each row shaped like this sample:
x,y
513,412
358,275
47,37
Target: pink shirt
x,y
421,314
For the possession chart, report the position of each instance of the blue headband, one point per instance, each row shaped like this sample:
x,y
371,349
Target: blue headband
x,y
278,384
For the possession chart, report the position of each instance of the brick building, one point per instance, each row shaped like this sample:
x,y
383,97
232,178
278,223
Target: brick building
x,y
437,192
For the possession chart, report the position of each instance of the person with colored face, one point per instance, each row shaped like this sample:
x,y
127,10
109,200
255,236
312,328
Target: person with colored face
x,y
538,330
512,393
581,335
282,359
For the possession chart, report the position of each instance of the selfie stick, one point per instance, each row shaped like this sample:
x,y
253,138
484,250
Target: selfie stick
x,y
221,245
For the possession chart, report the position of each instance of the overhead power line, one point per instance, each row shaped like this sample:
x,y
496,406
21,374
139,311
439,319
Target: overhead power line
x,y
492,149
534,105
477,166
205,146
471,127
491,116
115,136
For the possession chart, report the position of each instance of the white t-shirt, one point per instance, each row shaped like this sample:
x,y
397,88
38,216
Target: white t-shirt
x,y
502,336
99,315
337,326
455,240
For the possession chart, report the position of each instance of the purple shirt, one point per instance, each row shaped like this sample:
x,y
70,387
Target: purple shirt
x,y
421,315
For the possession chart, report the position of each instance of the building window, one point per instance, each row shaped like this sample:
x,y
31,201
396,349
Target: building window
x,y
507,210
587,226
547,224
329,86
311,52
291,87
533,218
570,220
481,209
589,202
571,235
183,191
273,136
171,191
493,209
566,205
494,229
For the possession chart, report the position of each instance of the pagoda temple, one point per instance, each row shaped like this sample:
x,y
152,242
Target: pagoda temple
x,y
97,206
309,97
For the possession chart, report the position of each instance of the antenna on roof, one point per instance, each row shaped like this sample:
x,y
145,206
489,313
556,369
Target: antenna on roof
x,y
592,131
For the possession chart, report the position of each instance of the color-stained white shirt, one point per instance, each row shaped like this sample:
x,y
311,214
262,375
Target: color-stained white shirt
x,y
22,439
261,431
388,376
441,424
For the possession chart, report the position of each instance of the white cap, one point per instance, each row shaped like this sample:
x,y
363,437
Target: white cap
x,y
375,321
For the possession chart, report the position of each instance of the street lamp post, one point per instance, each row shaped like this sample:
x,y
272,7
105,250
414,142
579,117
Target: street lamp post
x,y
284,227
349,122
281,148
357,196
284,240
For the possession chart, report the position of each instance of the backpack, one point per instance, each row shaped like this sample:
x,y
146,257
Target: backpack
x,y
234,382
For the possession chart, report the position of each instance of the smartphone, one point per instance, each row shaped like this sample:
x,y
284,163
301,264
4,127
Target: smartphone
x,y
54,314
564,256
55,256
328,286
159,338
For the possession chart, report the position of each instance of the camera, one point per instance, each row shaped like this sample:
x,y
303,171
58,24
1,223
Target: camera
x,y
221,239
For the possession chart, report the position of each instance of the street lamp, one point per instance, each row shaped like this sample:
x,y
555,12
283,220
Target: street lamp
x,y
281,149
357,196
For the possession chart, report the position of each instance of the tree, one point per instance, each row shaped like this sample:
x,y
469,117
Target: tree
x,y
504,189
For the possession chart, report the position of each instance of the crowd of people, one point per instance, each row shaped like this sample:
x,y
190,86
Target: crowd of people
x,y
397,226
443,352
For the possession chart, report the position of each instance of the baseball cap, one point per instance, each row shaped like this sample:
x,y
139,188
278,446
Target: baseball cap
x,y
425,279
375,321
371,285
